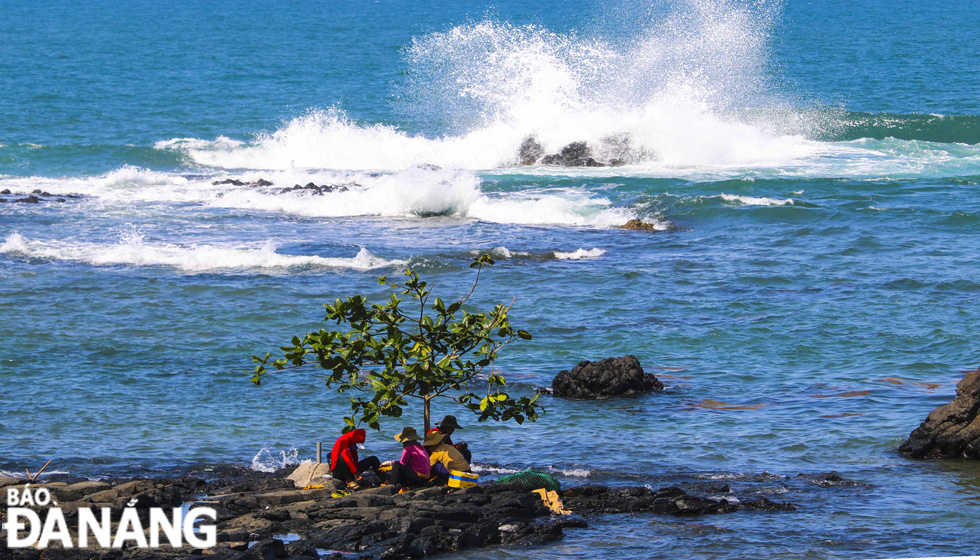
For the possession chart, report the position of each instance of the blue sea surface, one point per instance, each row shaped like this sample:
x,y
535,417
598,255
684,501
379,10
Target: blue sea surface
x,y
811,294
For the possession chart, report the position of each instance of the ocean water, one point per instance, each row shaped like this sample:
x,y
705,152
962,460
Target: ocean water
x,y
813,291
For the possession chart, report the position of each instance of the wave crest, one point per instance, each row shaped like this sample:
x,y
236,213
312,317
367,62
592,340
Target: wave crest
x,y
132,250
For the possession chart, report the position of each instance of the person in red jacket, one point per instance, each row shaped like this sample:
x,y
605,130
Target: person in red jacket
x,y
344,464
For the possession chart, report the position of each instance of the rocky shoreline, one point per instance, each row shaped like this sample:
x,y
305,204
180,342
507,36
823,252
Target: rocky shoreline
x,y
264,516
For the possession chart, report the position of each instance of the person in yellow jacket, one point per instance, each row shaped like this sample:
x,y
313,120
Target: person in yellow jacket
x,y
443,457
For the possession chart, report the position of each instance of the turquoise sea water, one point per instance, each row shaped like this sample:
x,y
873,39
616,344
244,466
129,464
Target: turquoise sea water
x,y
813,293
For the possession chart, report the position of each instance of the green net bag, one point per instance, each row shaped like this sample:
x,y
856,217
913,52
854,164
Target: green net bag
x,y
531,480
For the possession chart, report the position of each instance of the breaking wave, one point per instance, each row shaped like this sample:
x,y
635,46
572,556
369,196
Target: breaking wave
x,y
579,254
413,192
133,251
268,461
684,94
687,89
756,201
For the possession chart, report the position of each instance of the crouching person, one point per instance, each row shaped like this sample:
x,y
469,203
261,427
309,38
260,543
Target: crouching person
x,y
448,426
413,468
443,457
344,463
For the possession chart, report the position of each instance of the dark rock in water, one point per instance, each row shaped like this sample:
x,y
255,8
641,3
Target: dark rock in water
x,y
596,499
638,225
952,430
827,480
576,150
5,191
576,154
238,183
611,377
765,504
530,151
315,189
31,199
39,192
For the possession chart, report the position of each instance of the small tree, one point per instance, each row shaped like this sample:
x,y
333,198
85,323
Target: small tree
x,y
436,351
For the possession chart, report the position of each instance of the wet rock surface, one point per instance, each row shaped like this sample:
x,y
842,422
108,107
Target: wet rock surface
x,y
611,151
952,430
315,189
240,183
638,225
530,151
576,154
263,516
36,196
612,377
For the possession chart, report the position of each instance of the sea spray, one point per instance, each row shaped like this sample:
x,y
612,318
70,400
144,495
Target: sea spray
x,y
687,87
689,90
266,460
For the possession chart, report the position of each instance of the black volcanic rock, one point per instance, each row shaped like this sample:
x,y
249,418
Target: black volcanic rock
x,y
239,183
315,189
611,377
254,508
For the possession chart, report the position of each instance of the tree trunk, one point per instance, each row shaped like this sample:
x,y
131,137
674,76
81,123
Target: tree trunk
x,y
426,408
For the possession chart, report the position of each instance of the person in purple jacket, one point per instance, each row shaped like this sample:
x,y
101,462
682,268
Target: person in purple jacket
x,y
412,470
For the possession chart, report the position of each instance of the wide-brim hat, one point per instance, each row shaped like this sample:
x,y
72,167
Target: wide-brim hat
x,y
408,433
449,422
433,438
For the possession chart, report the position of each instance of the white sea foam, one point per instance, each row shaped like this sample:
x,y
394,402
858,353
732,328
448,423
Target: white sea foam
x,y
425,191
410,193
757,201
23,475
132,250
268,461
221,142
499,252
491,469
14,243
124,185
579,254
576,473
